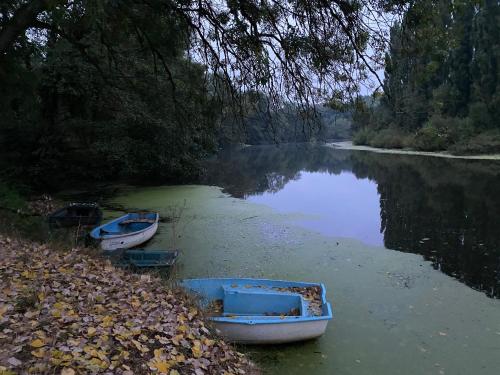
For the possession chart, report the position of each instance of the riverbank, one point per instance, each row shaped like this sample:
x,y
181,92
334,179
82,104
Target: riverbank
x,y
70,311
348,145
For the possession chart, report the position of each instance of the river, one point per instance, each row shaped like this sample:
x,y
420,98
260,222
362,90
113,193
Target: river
x,y
407,246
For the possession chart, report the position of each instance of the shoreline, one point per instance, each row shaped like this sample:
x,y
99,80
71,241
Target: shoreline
x,y
348,145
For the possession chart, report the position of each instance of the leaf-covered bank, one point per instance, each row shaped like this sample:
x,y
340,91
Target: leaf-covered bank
x,y
71,312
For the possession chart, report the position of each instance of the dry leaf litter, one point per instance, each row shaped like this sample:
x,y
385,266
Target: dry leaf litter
x,y
72,313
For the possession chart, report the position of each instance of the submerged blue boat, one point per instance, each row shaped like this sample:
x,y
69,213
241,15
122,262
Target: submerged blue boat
x,y
127,231
260,311
148,258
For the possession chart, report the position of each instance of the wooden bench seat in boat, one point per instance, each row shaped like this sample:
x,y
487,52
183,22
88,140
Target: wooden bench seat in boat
x,y
138,220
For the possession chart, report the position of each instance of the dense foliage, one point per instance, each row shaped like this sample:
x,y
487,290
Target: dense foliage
x,y
442,80
121,89
113,114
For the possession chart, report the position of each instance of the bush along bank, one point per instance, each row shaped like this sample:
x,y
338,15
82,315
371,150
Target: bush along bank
x,y
456,140
69,312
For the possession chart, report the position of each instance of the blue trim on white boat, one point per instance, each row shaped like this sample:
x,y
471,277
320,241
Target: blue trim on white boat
x,y
112,228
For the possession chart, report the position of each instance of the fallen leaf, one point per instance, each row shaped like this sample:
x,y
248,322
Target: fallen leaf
x,y
14,361
40,353
37,343
91,331
161,366
196,349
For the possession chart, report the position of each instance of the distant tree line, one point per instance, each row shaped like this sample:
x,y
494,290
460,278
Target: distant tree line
x,y
261,123
442,80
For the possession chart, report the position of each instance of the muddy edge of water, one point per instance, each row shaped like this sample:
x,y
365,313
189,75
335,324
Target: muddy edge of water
x,y
348,145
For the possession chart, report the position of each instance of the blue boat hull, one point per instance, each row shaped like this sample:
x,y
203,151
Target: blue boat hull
x,y
260,311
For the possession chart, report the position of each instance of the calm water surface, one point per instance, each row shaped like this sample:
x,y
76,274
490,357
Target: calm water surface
x,y
448,210
300,212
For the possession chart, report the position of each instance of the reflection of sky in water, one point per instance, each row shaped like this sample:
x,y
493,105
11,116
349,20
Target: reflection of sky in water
x,y
344,206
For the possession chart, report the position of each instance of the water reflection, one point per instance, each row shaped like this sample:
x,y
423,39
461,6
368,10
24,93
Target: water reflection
x,y
447,210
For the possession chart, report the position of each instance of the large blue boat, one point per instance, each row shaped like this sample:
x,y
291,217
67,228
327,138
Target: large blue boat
x,y
260,311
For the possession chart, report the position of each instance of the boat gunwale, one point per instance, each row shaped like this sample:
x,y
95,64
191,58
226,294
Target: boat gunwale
x,y
111,236
278,320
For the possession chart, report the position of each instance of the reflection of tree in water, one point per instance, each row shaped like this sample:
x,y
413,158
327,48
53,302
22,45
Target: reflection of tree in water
x,y
276,181
258,169
446,210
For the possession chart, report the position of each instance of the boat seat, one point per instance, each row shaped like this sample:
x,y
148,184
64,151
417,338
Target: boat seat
x,y
102,230
138,220
262,302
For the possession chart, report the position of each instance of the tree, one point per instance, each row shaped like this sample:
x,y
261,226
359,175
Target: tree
x,y
299,49
442,75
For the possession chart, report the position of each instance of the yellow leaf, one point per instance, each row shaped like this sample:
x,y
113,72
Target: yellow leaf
x,y
174,372
59,305
40,353
91,331
209,342
140,347
37,343
29,274
97,362
176,339
158,353
107,321
161,366
67,371
196,349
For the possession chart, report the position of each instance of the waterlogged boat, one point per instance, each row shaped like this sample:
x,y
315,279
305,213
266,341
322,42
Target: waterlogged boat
x,y
148,258
258,311
76,214
127,231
